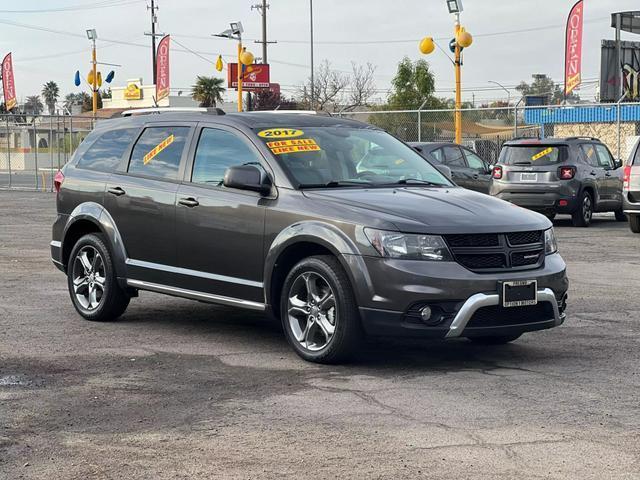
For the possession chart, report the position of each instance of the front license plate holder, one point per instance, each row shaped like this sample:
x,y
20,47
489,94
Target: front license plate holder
x,y
519,293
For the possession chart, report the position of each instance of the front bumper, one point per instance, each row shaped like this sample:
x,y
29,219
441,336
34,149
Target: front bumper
x,y
468,303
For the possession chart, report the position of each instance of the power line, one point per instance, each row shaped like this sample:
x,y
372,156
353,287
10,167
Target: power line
x,y
92,6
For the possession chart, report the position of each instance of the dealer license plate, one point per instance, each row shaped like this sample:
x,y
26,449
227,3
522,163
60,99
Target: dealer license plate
x,y
519,293
528,177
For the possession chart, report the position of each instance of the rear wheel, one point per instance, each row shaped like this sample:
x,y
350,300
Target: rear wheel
x,y
583,214
92,283
634,223
495,340
620,216
319,313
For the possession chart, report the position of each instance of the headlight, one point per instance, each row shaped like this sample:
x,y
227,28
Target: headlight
x,y
409,246
550,244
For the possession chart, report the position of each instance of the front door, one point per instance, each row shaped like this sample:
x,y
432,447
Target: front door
x,y
597,174
478,172
220,231
140,197
613,177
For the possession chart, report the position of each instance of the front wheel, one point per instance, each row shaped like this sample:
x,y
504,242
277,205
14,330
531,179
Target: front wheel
x,y
634,223
583,214
92,283
319,313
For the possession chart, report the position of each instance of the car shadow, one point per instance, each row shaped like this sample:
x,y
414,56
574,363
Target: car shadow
x,y
598,221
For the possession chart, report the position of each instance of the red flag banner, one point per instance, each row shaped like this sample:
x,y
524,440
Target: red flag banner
x,y
162,69
573,52
8,84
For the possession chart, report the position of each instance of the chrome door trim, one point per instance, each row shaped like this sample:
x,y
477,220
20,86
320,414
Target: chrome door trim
x,y
195,295
193,273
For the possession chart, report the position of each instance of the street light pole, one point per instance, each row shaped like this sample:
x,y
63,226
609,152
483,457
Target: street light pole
x,y
239,72
457,65
505,89
313,93
92,35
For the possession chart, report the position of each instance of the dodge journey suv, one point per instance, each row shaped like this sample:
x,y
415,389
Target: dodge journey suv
x,y
277,212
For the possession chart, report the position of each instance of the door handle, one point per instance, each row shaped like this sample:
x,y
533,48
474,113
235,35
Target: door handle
x,y
593,173
189,202
117,191
476,176
608,174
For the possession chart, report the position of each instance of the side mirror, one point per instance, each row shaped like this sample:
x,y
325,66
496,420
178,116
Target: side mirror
x,y
617,164
417,149
443,169
247,177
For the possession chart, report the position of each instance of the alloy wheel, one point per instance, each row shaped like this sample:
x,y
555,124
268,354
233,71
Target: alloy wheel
x,y
89,278
312,311
586,209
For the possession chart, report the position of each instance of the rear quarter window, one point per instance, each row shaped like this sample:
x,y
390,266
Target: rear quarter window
x,y
105,153
535,155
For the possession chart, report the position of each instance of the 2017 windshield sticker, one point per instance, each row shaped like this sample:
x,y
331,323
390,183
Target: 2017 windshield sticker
x,y
280,133
157,149
290,146
541,154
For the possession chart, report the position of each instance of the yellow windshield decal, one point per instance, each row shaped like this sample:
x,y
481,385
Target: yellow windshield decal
x,y
290,146
541,154
280,133
157,149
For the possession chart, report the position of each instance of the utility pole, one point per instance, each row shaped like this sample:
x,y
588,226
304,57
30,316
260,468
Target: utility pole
x,y
262,8
313,93
154,21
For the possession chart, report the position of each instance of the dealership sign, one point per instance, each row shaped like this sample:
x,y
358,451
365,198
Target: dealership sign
x,y
162,69
254,77
627,71
8,84
573,49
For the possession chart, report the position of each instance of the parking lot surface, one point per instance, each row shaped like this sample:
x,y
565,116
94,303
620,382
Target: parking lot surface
x,y
178,389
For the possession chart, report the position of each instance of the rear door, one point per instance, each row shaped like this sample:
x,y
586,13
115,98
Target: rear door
x,y
453,158
613,177
597,173
141,196
478,172
220,231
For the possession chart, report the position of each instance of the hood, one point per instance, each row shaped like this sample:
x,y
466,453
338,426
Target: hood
x,y
433,210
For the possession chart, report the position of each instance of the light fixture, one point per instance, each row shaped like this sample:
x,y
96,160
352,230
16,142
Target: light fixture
x,y
91,34
236,28
454,6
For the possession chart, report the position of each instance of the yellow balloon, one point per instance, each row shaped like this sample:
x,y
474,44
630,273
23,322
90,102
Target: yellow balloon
x,y
90,77
99,79
465,39
427,45
219,65
246,58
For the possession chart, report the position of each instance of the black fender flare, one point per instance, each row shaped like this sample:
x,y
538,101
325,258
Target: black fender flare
x,y
327,236
95,213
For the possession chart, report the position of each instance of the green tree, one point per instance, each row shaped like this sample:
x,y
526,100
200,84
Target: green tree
x,y
208,91
413,85
50,93
33,105
543,85
87,102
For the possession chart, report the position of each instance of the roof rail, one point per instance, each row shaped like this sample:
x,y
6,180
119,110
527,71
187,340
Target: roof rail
x,y
581,137
524,138
145,111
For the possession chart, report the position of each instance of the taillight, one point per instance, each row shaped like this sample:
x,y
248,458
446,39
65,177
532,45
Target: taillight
x,y
497,172
567,173
626,178
57,181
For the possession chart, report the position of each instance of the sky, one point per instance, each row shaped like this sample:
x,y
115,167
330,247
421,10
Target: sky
x,y
512,39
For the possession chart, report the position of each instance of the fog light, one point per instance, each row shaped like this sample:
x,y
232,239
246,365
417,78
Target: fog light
x,y
425,314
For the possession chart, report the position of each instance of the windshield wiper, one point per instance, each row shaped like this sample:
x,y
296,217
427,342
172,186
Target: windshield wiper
x,y
409,181
336,183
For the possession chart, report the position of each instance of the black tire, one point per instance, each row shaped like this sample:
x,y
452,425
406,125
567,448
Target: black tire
x,y
620,216
325,271
495,340
634,223
113,301
550,216
583,214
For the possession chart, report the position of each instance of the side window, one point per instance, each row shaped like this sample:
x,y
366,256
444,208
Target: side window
x,y
218,150
105,153
474,161
438,155
453,157
606,161
590,154
158,152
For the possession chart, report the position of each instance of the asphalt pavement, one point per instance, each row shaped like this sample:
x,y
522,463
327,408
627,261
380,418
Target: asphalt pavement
x,y
184,390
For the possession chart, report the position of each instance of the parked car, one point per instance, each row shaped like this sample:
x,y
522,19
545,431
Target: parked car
x,y
468,170
276,213
631,189
575,175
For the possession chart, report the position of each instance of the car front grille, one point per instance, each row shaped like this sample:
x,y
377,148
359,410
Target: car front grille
x,y
497,316
486,253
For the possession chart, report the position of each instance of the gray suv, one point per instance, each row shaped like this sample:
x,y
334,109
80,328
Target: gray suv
x,y
274,212
575,175
631,188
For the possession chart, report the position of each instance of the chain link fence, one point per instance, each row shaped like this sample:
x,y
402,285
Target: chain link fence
x,y
34,148
486,129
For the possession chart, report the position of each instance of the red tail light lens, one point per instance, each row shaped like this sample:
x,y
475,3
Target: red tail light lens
x,y
497,172
57,180
626,178
567,173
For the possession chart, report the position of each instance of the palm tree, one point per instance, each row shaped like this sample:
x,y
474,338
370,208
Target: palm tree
x,y
208,91
33,105
50,93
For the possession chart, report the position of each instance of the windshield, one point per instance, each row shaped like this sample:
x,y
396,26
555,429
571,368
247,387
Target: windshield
x,y
536,155
342,156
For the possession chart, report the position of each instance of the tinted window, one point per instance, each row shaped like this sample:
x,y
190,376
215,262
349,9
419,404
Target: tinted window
x,y
590,154
538,155
604,157
105,153
474,161
453,157
438,155
158,152
218,150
